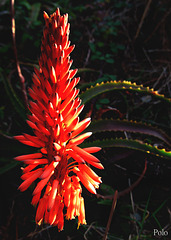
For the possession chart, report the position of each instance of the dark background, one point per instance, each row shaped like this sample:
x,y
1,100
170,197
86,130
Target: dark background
x,y
113,42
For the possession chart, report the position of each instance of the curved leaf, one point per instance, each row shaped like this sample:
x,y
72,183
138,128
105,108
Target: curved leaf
x,y
132,144
10,165
129,126
118,85
15,101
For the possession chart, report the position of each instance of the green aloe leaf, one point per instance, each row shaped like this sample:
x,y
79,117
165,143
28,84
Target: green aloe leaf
x,y
129,126
15,101
131,144
35,10
118,85
8,166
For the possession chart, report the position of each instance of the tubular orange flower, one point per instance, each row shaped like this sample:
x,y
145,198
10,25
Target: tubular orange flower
x,y
60,165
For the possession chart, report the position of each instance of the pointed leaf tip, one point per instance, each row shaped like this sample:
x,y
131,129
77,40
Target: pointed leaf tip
x,y
45,15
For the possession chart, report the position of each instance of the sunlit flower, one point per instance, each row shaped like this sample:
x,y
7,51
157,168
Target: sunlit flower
x,y
59,166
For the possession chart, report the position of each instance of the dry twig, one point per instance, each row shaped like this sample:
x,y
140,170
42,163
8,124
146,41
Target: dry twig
x,y
117,195
158,25
111,214
127,190
143,17
21,77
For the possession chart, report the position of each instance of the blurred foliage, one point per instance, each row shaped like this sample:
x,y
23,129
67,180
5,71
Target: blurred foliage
x,y
107,48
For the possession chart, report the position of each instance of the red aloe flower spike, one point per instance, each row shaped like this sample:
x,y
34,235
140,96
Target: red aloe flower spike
x,y
59,167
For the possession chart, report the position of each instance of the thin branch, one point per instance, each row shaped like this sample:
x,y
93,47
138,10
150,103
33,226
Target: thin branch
x,y
143,17
127,190
158,25
6,136
118,195
130,188
133,209
111,214
21,77
88,229
36,232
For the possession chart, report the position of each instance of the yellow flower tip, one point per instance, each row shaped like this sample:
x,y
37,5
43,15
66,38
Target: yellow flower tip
x,y
40,222
78,226
59,230
79,223
45,15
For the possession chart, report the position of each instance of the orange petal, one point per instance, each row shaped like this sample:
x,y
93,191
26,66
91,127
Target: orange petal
x,y
53,75
70,97
28,156
72,73
30,180
48,171
75,156
67,193
97,165
57,146
52,111
36,161
73,124
42,128
61,222
31,124
81,216
81,126
90,172
78,140
55,100
53,193
67,52
78,111
34,140
48,119
41,185
92,149
40,211
85,181
36,199
85,155
29,168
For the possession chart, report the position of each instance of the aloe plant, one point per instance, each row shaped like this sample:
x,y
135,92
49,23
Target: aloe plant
x,y
98,89
113,125
123,125
134,127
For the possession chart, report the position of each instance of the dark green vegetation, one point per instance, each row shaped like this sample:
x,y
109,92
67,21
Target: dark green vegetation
x,y
126,41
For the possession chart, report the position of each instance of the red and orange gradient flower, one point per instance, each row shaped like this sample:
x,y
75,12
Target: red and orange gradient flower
x,y
59,165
